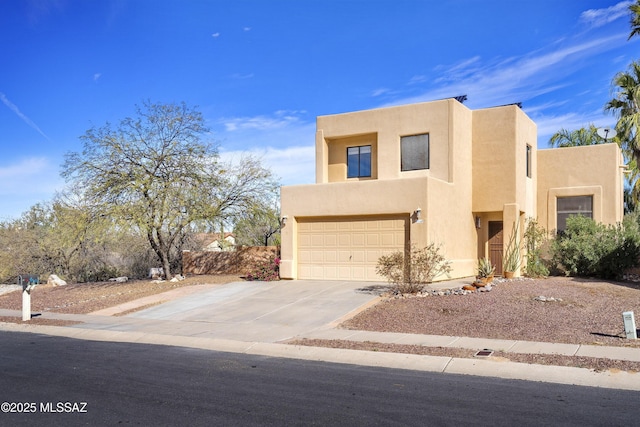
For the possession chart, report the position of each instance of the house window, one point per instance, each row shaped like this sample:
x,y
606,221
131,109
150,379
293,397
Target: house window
x,y
528,161
414,152
568,206
359,162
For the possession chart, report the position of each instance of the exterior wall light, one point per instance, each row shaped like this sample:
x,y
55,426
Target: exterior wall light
x,y
478,222
416,217
283,220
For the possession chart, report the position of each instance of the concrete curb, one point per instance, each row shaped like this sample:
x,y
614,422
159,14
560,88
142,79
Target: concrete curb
x,y
492,367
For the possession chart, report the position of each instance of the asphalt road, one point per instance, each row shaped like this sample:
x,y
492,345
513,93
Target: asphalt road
x,y
62,381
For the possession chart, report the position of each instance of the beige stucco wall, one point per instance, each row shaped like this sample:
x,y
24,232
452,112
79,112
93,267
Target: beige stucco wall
x,y
477,170
389,124
502,190
345,199
500,139
581,171
443,192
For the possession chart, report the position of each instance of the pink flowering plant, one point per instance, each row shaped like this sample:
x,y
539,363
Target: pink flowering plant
x,y
266,270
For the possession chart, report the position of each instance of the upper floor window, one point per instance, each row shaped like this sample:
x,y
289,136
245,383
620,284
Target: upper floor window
x,y
576,205
528,161
359,162
414,152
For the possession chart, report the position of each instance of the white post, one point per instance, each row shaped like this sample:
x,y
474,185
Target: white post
x,y
630,325
26,304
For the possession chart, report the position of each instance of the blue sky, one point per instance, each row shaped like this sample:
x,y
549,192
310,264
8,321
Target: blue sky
x,y
261,71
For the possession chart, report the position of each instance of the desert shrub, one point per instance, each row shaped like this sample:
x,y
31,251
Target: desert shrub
x,y
408,272
512,257
265,270
587,248
100,274
535,239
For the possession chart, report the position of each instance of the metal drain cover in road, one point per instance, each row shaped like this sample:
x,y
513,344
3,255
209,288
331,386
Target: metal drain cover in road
x,y
484,353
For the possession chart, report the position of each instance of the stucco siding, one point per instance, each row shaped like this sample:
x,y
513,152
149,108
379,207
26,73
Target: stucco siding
x,y
576,171
483,166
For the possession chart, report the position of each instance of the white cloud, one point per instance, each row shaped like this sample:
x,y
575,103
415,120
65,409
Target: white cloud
x,y
246,28
215,35
25,183
22,116
599,17
97,76
26,167
461,70
418,79
380,91
515,79
291,165
283,140
279,119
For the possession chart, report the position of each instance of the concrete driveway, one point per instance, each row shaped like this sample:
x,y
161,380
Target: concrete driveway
x,y
261,311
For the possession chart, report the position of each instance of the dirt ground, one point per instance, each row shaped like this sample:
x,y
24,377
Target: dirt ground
x,y
83,298
582,311
576,311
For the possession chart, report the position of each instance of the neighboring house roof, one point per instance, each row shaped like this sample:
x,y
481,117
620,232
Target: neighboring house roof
x,y
211,241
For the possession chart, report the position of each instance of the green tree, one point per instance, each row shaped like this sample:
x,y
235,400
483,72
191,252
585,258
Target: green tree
x,y
625,105
260,225
22,248
574,138
56,237
156,173
635,19
80,239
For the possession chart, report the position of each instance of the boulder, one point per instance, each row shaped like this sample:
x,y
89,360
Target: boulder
x,y
55,281
121,279
156,273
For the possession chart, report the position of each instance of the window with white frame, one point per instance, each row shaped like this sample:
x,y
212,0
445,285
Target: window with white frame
x,y
414,152
359,162
575,205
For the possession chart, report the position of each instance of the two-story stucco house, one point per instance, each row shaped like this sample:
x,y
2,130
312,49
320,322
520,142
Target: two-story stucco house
x,y
436,172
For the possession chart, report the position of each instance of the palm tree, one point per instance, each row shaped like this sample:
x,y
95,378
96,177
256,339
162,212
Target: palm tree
x,y
625,105
635,19
574,138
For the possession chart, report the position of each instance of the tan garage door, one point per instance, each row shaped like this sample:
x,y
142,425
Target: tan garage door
x,y
346,249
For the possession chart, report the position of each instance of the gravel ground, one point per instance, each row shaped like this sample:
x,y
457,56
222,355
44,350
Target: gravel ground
x,y
590,312
585,311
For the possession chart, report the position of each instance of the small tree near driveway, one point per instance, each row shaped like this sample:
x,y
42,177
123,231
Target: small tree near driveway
x,y
408,272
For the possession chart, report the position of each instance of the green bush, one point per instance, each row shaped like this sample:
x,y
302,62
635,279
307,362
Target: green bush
x,y
587,248
535,239
421,267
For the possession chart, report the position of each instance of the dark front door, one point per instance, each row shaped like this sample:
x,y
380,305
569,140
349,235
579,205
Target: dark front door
x,y
495,245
